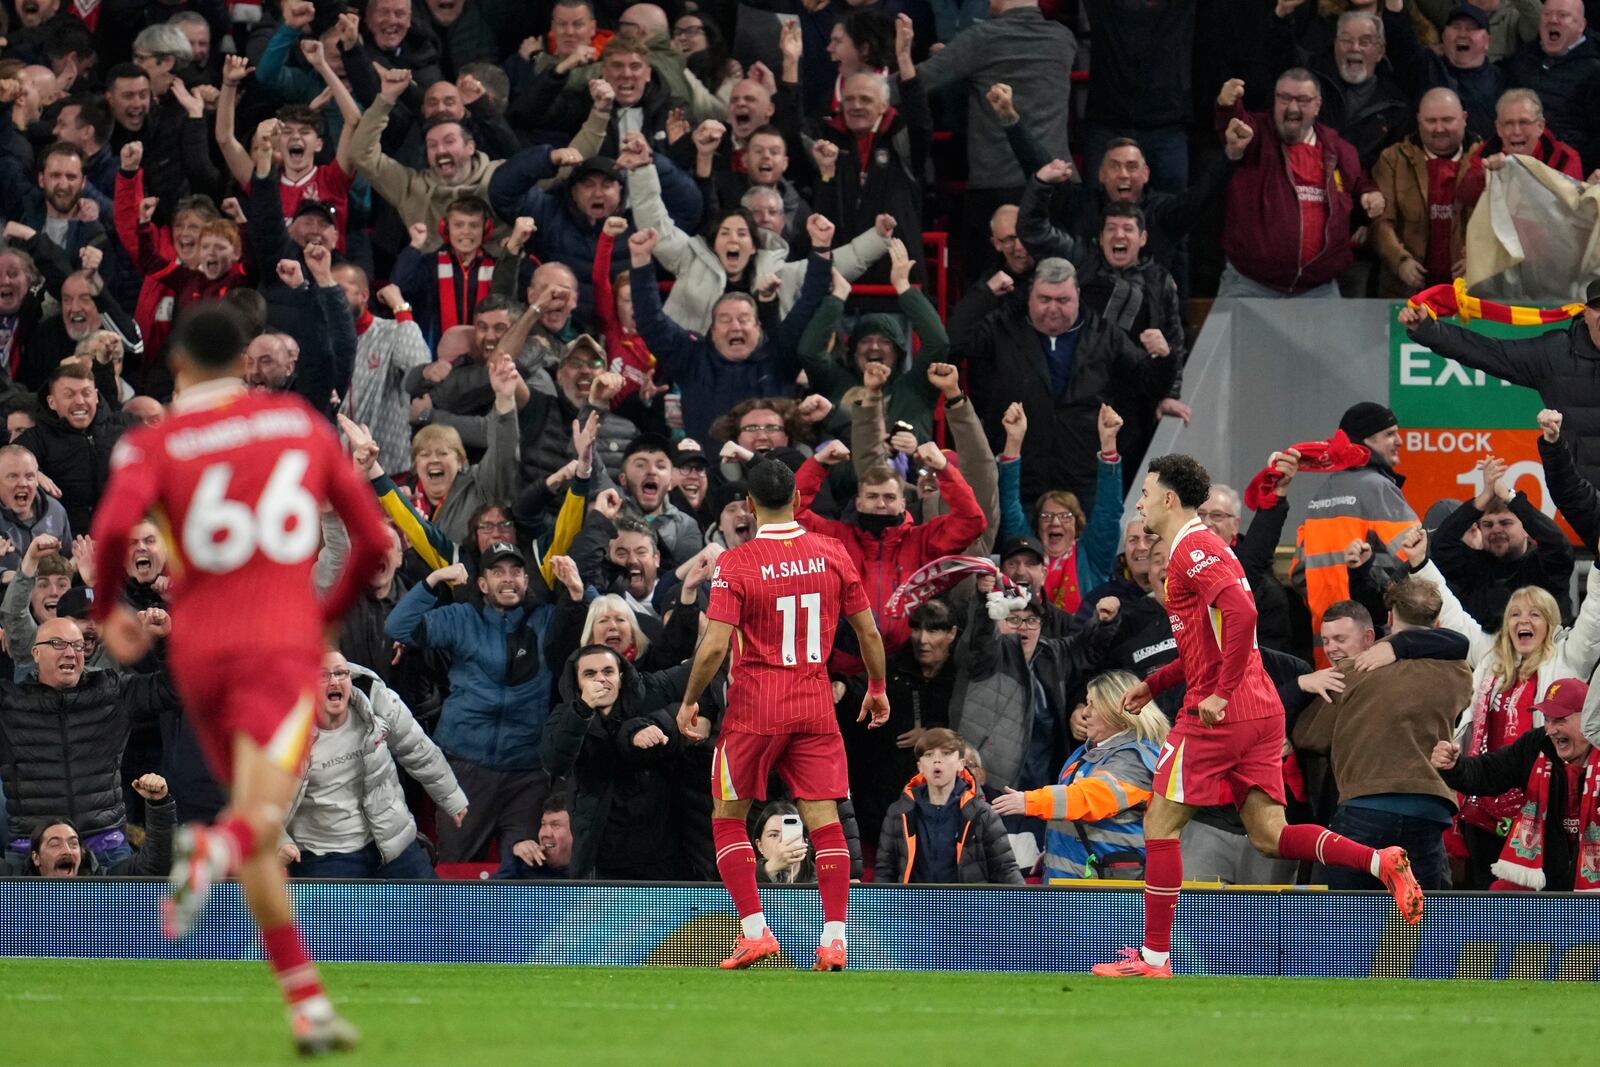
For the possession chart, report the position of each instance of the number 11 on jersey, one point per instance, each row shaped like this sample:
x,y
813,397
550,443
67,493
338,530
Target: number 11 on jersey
x,y
811,605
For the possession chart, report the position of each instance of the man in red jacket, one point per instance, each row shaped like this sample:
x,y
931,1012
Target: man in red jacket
x,y
1292,197
881,538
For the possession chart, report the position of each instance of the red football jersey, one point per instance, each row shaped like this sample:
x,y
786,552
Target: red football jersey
x,y
783,592
236,480
326,182
1199,567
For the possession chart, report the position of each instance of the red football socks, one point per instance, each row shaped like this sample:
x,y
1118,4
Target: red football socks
x,y
736,863
291,964
1308,841
1163,874
239,838
833,870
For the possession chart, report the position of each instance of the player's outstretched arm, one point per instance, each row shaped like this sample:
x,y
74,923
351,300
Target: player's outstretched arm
x,y
875,705
708,659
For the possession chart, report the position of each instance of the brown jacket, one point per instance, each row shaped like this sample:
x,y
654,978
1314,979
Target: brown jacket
x,y
1381,730
1402,231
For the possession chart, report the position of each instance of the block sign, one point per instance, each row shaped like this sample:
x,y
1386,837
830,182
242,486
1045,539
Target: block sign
x,y
1452,416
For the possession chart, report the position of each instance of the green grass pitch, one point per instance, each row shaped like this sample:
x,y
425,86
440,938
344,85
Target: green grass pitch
x,y
113,1013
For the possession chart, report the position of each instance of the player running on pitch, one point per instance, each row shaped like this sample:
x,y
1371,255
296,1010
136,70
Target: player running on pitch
x,y
781,594
238,480
1227,747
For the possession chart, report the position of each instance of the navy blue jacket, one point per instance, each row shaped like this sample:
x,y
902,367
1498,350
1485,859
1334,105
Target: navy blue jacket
x,y
712,383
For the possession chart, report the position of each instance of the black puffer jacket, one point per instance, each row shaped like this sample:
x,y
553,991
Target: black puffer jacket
x,y
61,749
983,852
620,795
78,461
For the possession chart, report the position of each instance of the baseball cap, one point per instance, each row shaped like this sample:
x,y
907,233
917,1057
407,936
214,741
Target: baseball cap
x,y
1591,295
1564,697
1468,11
75,603
598,165
503,550
308,206
1018,545
585,351
689,454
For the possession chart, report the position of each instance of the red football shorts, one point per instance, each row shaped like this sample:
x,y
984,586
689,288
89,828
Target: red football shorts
x,y
812,765
1205,765
269,696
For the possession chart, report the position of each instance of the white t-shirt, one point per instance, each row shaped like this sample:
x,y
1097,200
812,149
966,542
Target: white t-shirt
x,y
329,817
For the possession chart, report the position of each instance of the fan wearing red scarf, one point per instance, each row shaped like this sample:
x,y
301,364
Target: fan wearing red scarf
x,y
445,287
1554,841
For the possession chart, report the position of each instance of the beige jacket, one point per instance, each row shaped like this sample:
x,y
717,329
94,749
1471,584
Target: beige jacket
x,y
419,195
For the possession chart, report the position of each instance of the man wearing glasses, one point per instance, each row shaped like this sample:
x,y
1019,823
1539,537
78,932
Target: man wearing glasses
x,y
1292,202
349,819
62,736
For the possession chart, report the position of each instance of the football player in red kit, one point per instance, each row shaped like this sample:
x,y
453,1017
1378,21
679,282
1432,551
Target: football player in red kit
x,y
237,480
1227,747
780,596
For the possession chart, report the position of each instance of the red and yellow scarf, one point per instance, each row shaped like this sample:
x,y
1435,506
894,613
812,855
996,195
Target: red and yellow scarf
x,y
1453,300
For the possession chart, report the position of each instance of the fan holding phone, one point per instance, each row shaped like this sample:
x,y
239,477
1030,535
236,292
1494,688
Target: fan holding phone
x,y
781,843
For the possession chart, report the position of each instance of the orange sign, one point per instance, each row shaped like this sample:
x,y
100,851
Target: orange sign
x,y
1442,464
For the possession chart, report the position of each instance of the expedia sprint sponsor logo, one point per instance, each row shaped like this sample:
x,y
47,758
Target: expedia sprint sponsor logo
x,y
1209,561
1332,502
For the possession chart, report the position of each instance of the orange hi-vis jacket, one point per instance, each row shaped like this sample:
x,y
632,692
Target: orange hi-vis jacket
x,y
1345,506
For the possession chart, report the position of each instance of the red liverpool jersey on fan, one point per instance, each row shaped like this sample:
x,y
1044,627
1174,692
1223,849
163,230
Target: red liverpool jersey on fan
x,y
1199,569
783,592
237,480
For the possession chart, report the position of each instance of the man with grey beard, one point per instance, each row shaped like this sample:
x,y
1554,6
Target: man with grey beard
x,y
1359,97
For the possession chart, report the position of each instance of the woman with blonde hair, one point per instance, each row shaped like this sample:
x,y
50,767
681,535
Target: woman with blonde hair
x,y
611,622
1511,670
1095,811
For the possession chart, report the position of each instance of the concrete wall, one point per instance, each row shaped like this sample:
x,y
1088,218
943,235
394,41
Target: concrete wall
x,y
1267,373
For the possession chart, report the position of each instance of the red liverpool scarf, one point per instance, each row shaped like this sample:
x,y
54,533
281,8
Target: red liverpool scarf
x,y
1453,300
1335,454
457,301
1061,581
1500,716
940,576
1522,861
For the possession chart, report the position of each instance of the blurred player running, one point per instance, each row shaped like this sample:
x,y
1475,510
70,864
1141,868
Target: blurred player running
x,y
1227,747
781,594
237,481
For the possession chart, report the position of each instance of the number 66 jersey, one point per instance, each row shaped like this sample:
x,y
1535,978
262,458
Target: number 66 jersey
x,y
783,592
236,481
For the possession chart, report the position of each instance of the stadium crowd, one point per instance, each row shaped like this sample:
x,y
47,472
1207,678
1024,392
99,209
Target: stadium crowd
x,y
561,271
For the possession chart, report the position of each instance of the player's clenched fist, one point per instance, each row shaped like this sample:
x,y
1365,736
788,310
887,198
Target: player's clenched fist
x,y
1445,754
1137,697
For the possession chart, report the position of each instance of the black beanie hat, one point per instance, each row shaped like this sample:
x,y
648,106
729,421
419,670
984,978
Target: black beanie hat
x,y
1365,419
